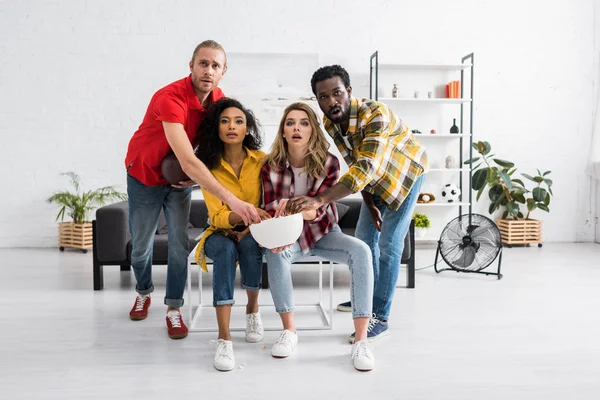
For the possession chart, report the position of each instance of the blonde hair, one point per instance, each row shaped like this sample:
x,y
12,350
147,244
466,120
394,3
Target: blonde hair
x,y
317,144
211,44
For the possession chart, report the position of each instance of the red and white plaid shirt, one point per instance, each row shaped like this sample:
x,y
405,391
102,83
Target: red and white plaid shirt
x,y
278,185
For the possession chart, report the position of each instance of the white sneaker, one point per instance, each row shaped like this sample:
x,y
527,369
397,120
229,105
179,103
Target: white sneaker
x,y
362,357
285,345
224,359
254,328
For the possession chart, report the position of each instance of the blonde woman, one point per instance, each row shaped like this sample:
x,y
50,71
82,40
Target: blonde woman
x,y
300,165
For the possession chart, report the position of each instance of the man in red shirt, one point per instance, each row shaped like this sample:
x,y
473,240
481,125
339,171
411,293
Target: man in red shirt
x,y
170,125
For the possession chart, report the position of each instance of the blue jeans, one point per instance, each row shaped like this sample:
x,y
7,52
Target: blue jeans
x,y
225,253
337,247
145,203
387,246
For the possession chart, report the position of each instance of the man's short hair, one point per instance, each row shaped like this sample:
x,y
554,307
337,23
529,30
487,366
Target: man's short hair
x,y
211,44
329,72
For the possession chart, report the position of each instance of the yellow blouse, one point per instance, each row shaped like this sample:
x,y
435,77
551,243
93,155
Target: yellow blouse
x,y
247,188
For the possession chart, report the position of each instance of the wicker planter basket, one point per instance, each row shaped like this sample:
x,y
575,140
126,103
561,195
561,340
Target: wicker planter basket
x,y
76,236
520,231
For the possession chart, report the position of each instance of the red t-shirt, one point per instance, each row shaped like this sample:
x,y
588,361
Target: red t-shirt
x,y
176,102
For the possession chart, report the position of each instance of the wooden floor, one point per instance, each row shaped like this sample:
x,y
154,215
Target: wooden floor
x,y
535,334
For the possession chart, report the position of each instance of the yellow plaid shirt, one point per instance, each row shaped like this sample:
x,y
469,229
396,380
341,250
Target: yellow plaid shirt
x,y
384,157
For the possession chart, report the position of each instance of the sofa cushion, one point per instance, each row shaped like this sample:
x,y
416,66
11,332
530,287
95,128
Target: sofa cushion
x,y
342,209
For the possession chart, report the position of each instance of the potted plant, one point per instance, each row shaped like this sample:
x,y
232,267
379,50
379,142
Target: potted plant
x,y
422,224
509,194
77,205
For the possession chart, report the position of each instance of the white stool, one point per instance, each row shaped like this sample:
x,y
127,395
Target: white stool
x,y
195,310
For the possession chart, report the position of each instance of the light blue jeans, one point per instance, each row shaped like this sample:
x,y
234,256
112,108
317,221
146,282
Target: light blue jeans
x,y
387,246
145,203
337,247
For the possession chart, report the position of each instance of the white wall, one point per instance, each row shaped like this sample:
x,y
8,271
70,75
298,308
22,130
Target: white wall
x,y
76,78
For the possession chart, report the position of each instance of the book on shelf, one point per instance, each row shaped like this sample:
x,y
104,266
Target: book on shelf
x,y
453,90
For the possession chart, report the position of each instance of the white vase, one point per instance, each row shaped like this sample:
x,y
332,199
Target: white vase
x,y
421,232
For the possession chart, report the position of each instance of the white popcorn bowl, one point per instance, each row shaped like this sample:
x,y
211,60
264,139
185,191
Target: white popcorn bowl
x,y
277,232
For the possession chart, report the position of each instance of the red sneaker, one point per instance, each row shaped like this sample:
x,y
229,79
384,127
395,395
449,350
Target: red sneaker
x,y
175,325
139,311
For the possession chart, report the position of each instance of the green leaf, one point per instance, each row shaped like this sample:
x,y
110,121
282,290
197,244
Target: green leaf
x,y
495,193
520,214
517,181
479,179
539,172
506,179
539,194
531,204
504,163
547,199
471,161
550,190
488,148
479,192
518,197
477,166
476,146
492,208
513,209
538,179
512,171
548,182
543,207
505,214
529,177
546,173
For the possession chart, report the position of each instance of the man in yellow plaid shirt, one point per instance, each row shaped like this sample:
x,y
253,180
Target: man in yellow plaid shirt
x,y
387,164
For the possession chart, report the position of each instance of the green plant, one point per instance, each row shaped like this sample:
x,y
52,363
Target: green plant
x,y
79,204
421,221
505,190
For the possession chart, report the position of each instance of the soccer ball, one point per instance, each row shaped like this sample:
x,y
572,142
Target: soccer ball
x,y
450,193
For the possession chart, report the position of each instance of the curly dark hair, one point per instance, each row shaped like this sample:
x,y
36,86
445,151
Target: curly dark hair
x,y
210,147
329,72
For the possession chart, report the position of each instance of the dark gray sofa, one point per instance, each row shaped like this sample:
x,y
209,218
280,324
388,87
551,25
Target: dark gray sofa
x,y
112,242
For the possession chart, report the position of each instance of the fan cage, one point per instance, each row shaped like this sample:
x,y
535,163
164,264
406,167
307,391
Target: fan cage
x,y
454,241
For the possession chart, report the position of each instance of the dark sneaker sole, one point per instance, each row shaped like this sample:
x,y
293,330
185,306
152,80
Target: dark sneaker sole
x,y
176,337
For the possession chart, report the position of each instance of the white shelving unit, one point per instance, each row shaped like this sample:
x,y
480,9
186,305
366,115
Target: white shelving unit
x,y
435,100
422,105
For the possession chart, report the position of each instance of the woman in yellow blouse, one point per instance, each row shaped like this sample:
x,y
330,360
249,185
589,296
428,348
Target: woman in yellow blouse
x,y
229,142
